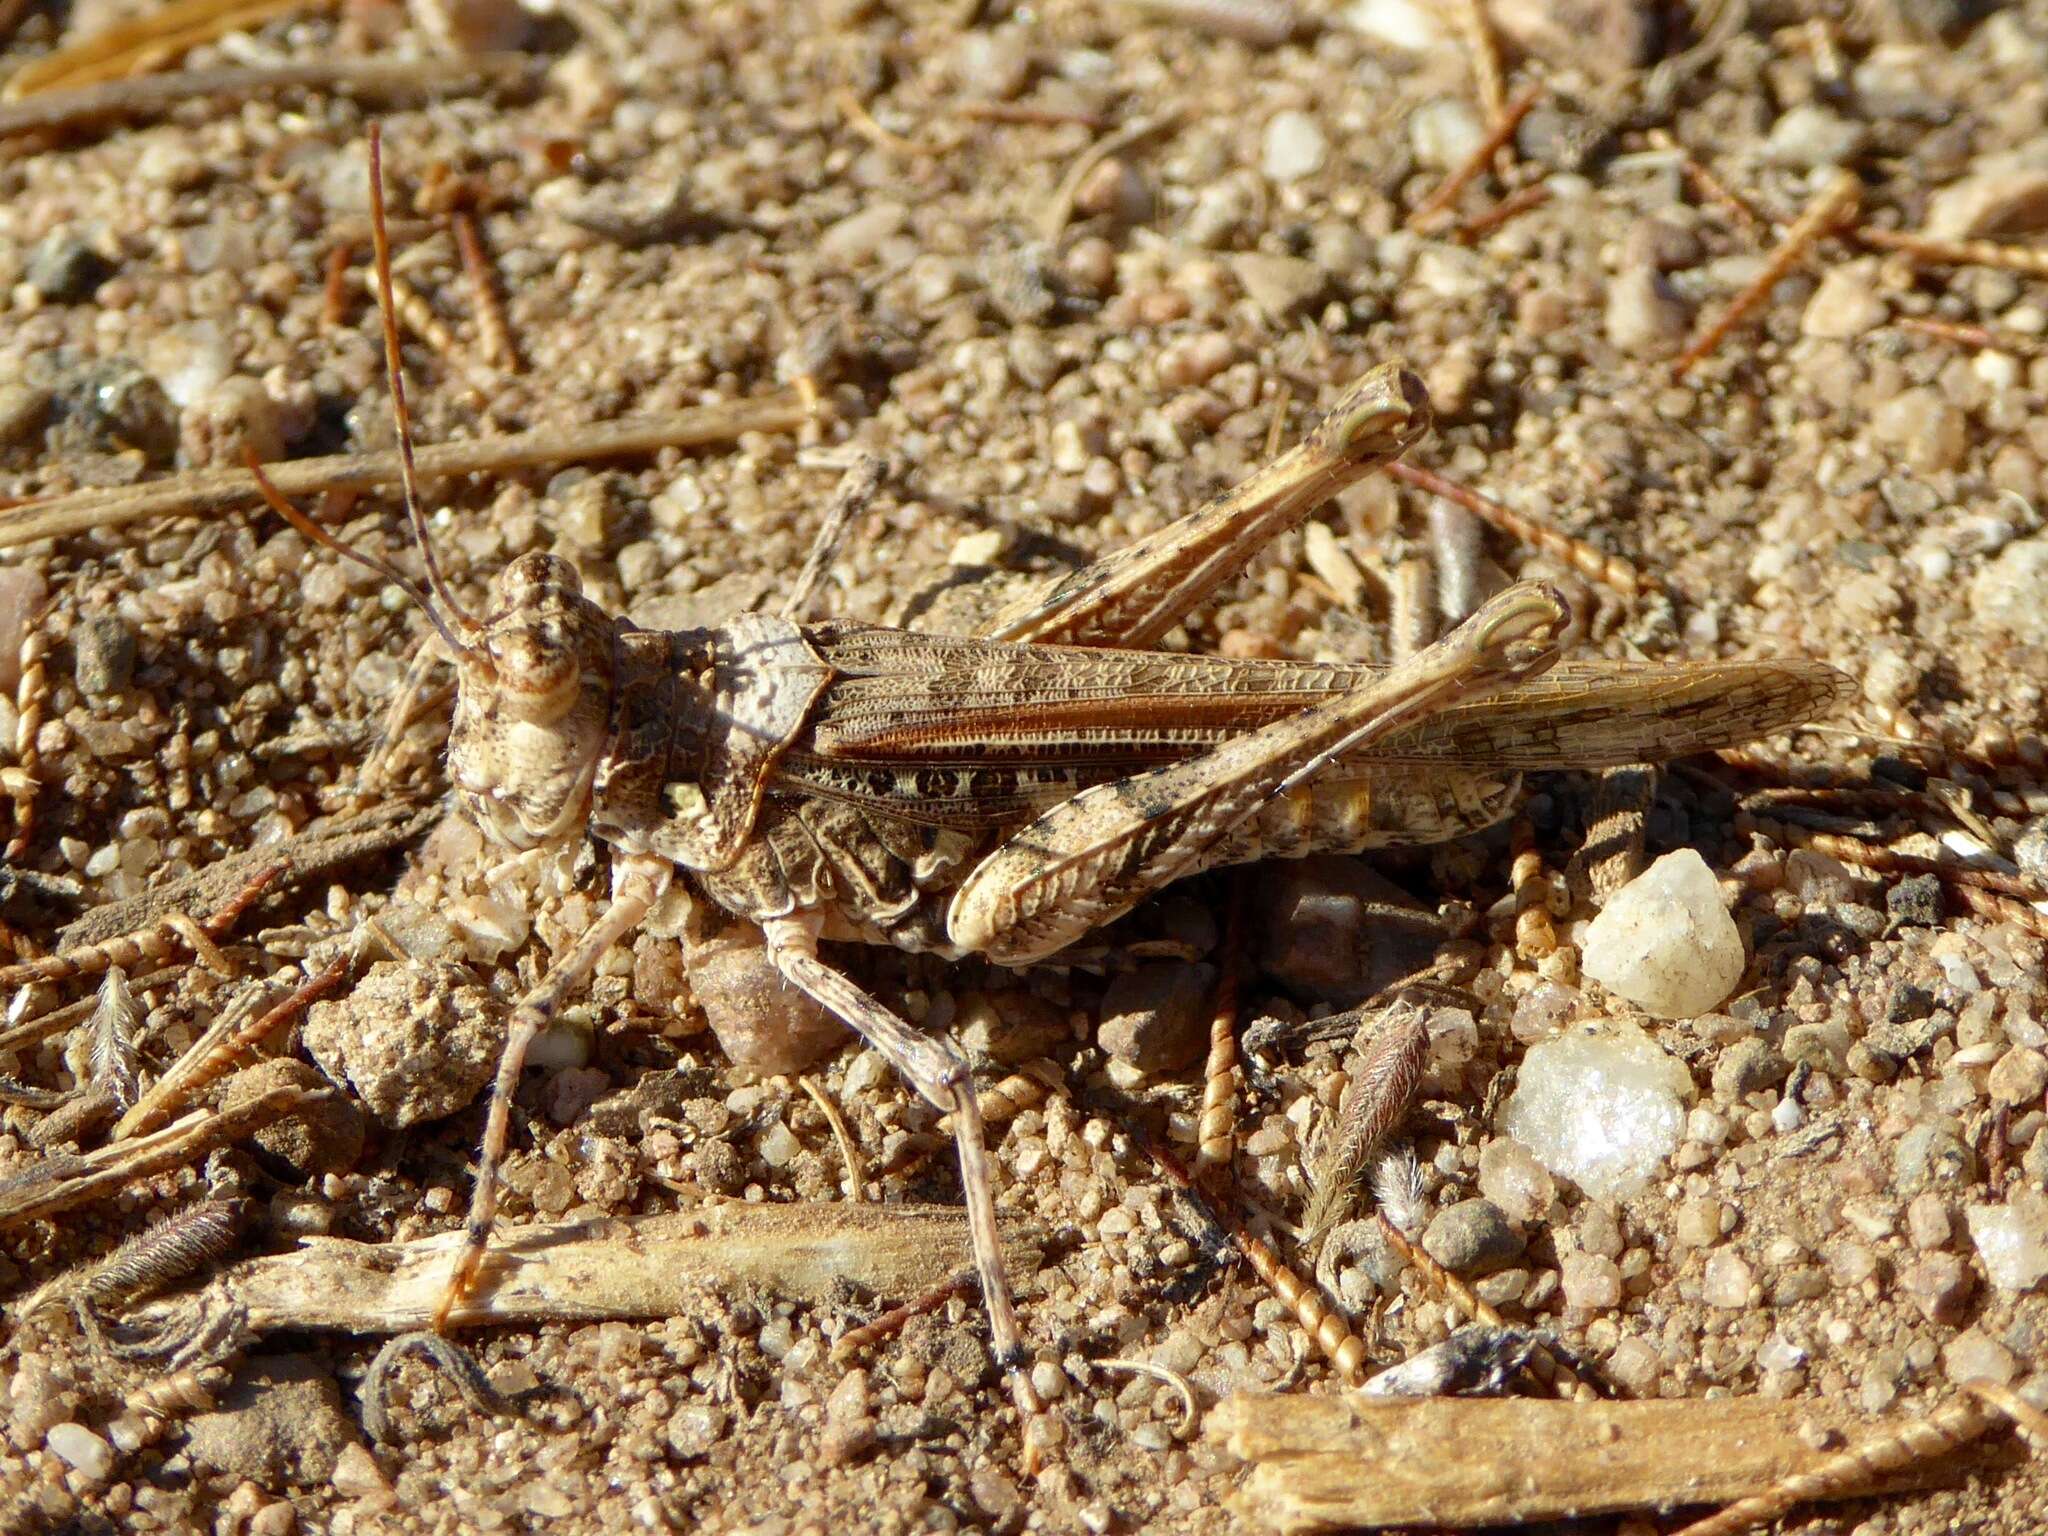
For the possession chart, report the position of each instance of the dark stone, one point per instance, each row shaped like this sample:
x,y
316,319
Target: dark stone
x,y
1915,902
65,270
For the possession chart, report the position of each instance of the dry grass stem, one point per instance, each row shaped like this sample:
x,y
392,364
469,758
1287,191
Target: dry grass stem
x,y
1835,206
1710,186
1596,564
334,286
1876,1460
1980,337
1477,34
1026,1088
1440,202
1322,1322
162,936
61,1183
1060,208
849,1149
1255,23
215,490
1513,206
148,95
162,33
1026,113
1216,1128
232,1037
31,701
41,1027
1473,1461
655,1266
1542,1364
2031,260
496,330
1534,895
856,1341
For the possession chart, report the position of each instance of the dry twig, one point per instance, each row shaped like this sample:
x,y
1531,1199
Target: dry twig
x,y
1593,563
147,95
2031,260
214,1053
1542,1364
1835,206
215,490
1440,202
499,350
31,699
656,1266
151,39
1475,1461
60,1183
1857,1470
1708,185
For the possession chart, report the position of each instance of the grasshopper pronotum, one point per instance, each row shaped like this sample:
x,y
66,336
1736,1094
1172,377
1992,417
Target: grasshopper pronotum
x,y
1003,793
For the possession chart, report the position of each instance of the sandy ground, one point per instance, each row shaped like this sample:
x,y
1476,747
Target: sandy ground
x,y
878,200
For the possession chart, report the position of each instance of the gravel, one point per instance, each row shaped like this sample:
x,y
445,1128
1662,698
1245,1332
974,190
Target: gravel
x,y
677,213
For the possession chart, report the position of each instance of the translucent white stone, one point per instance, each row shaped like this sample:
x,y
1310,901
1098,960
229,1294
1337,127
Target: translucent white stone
x,y
1601,1109
2012,1239
1665,941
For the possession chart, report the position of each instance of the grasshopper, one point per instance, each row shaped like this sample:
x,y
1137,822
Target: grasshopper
x,y
1003,793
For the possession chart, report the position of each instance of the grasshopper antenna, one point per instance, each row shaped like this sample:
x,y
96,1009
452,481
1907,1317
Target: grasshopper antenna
x,y
380,239
282,505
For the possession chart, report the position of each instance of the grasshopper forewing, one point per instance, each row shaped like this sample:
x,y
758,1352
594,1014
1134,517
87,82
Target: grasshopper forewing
x,y
1002,794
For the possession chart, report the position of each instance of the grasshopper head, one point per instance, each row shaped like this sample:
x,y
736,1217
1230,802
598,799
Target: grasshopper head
x,y
534,704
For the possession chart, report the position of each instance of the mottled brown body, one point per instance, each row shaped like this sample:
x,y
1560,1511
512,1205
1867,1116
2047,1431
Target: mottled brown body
x,y
860,772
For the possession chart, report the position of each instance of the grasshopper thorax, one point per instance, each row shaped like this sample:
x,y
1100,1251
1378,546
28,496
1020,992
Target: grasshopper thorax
x,y
534,704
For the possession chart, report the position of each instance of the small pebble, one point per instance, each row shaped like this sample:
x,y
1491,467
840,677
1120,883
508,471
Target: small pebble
x,y
1939,1284
1591,1283
1928,1155
65,269
1279,285
78,1447
2006,594
1665,941
103,648
1445,133
1294,147
1155,1018
1809,136
1699,1223
1728,1280
1470,1237
1992,205
2019,1077
1928,1223
1974,1356
1601,1109
1514,1181
1645,316
2012,1239
1933,431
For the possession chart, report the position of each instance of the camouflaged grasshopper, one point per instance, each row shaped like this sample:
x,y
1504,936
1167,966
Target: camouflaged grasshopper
x,y
1002,794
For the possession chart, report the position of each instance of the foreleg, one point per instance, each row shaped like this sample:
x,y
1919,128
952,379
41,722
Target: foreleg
x,y
637,884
